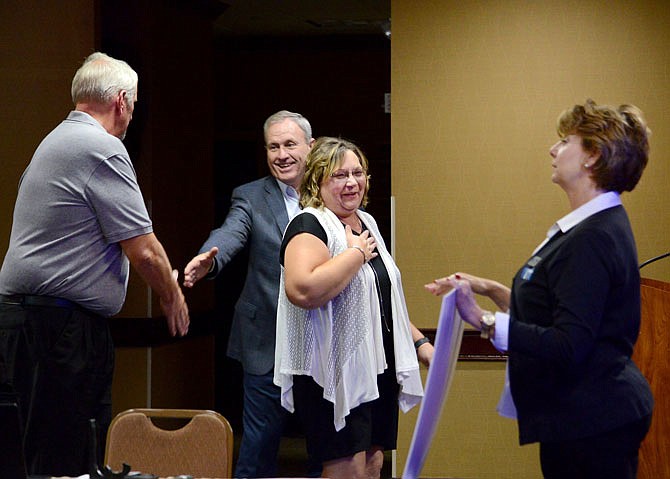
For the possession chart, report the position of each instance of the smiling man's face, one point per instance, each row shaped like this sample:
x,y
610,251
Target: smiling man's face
x,y
287,150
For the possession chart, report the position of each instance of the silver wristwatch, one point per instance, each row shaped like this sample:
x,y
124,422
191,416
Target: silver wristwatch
x,y
488,322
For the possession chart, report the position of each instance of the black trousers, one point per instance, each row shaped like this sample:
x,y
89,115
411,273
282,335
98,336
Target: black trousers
x,y
611,455
60,363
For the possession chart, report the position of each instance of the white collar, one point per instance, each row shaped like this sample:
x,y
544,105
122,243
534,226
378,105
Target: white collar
x,y
601,202
285,190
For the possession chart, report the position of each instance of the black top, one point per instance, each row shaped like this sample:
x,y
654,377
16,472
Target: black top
x,y
574,318
308,223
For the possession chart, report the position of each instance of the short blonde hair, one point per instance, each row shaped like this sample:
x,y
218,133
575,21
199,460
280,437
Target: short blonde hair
x,y
323,159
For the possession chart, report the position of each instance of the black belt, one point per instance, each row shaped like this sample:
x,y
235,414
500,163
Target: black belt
x,y
35,300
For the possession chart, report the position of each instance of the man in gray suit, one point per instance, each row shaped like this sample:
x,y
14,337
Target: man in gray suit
x,y
258,215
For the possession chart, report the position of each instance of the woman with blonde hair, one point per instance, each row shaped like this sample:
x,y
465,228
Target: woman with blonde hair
x,y
346,353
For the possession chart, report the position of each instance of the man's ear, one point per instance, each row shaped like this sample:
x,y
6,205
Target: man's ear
x,y
120,101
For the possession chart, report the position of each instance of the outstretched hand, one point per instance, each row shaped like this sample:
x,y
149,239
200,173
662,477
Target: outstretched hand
x,y
495,291
199,266
176,310
465,295
444,285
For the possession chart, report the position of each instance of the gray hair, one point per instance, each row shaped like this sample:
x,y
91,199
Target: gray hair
x,y
101,78
282,115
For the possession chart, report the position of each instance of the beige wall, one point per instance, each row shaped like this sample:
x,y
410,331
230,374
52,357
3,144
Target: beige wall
x,y
471,440
476,88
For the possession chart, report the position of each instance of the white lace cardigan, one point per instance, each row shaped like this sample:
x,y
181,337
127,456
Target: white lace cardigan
x,y
340,344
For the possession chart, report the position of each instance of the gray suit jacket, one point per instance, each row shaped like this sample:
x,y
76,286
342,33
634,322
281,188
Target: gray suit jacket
x,y
257,219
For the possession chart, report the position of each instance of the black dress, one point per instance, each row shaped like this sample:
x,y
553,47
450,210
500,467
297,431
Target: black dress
x,y
370,424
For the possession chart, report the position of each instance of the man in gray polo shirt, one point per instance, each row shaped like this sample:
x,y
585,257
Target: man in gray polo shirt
x,y
79,219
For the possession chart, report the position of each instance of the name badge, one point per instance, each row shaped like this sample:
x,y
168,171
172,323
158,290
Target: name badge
x,y
529,269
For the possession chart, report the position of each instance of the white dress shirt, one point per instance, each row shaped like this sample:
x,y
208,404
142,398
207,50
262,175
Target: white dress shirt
x,y
291,199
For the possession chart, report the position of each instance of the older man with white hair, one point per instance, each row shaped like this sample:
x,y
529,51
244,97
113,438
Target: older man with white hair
x,y
79,219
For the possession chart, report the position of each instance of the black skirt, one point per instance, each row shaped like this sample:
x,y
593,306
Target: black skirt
x,y
373,423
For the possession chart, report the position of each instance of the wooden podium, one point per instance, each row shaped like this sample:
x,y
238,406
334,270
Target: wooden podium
x,y
652,355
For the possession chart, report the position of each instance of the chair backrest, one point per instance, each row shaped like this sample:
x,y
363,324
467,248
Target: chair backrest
x,y
201,448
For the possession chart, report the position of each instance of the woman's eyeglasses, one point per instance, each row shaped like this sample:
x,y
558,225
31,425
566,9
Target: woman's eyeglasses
x,y
341,176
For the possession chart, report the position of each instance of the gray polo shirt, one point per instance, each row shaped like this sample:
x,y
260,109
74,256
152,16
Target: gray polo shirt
x,y
77,199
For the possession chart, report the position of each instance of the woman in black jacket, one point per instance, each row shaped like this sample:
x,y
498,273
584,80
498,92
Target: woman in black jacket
x,y
572,316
